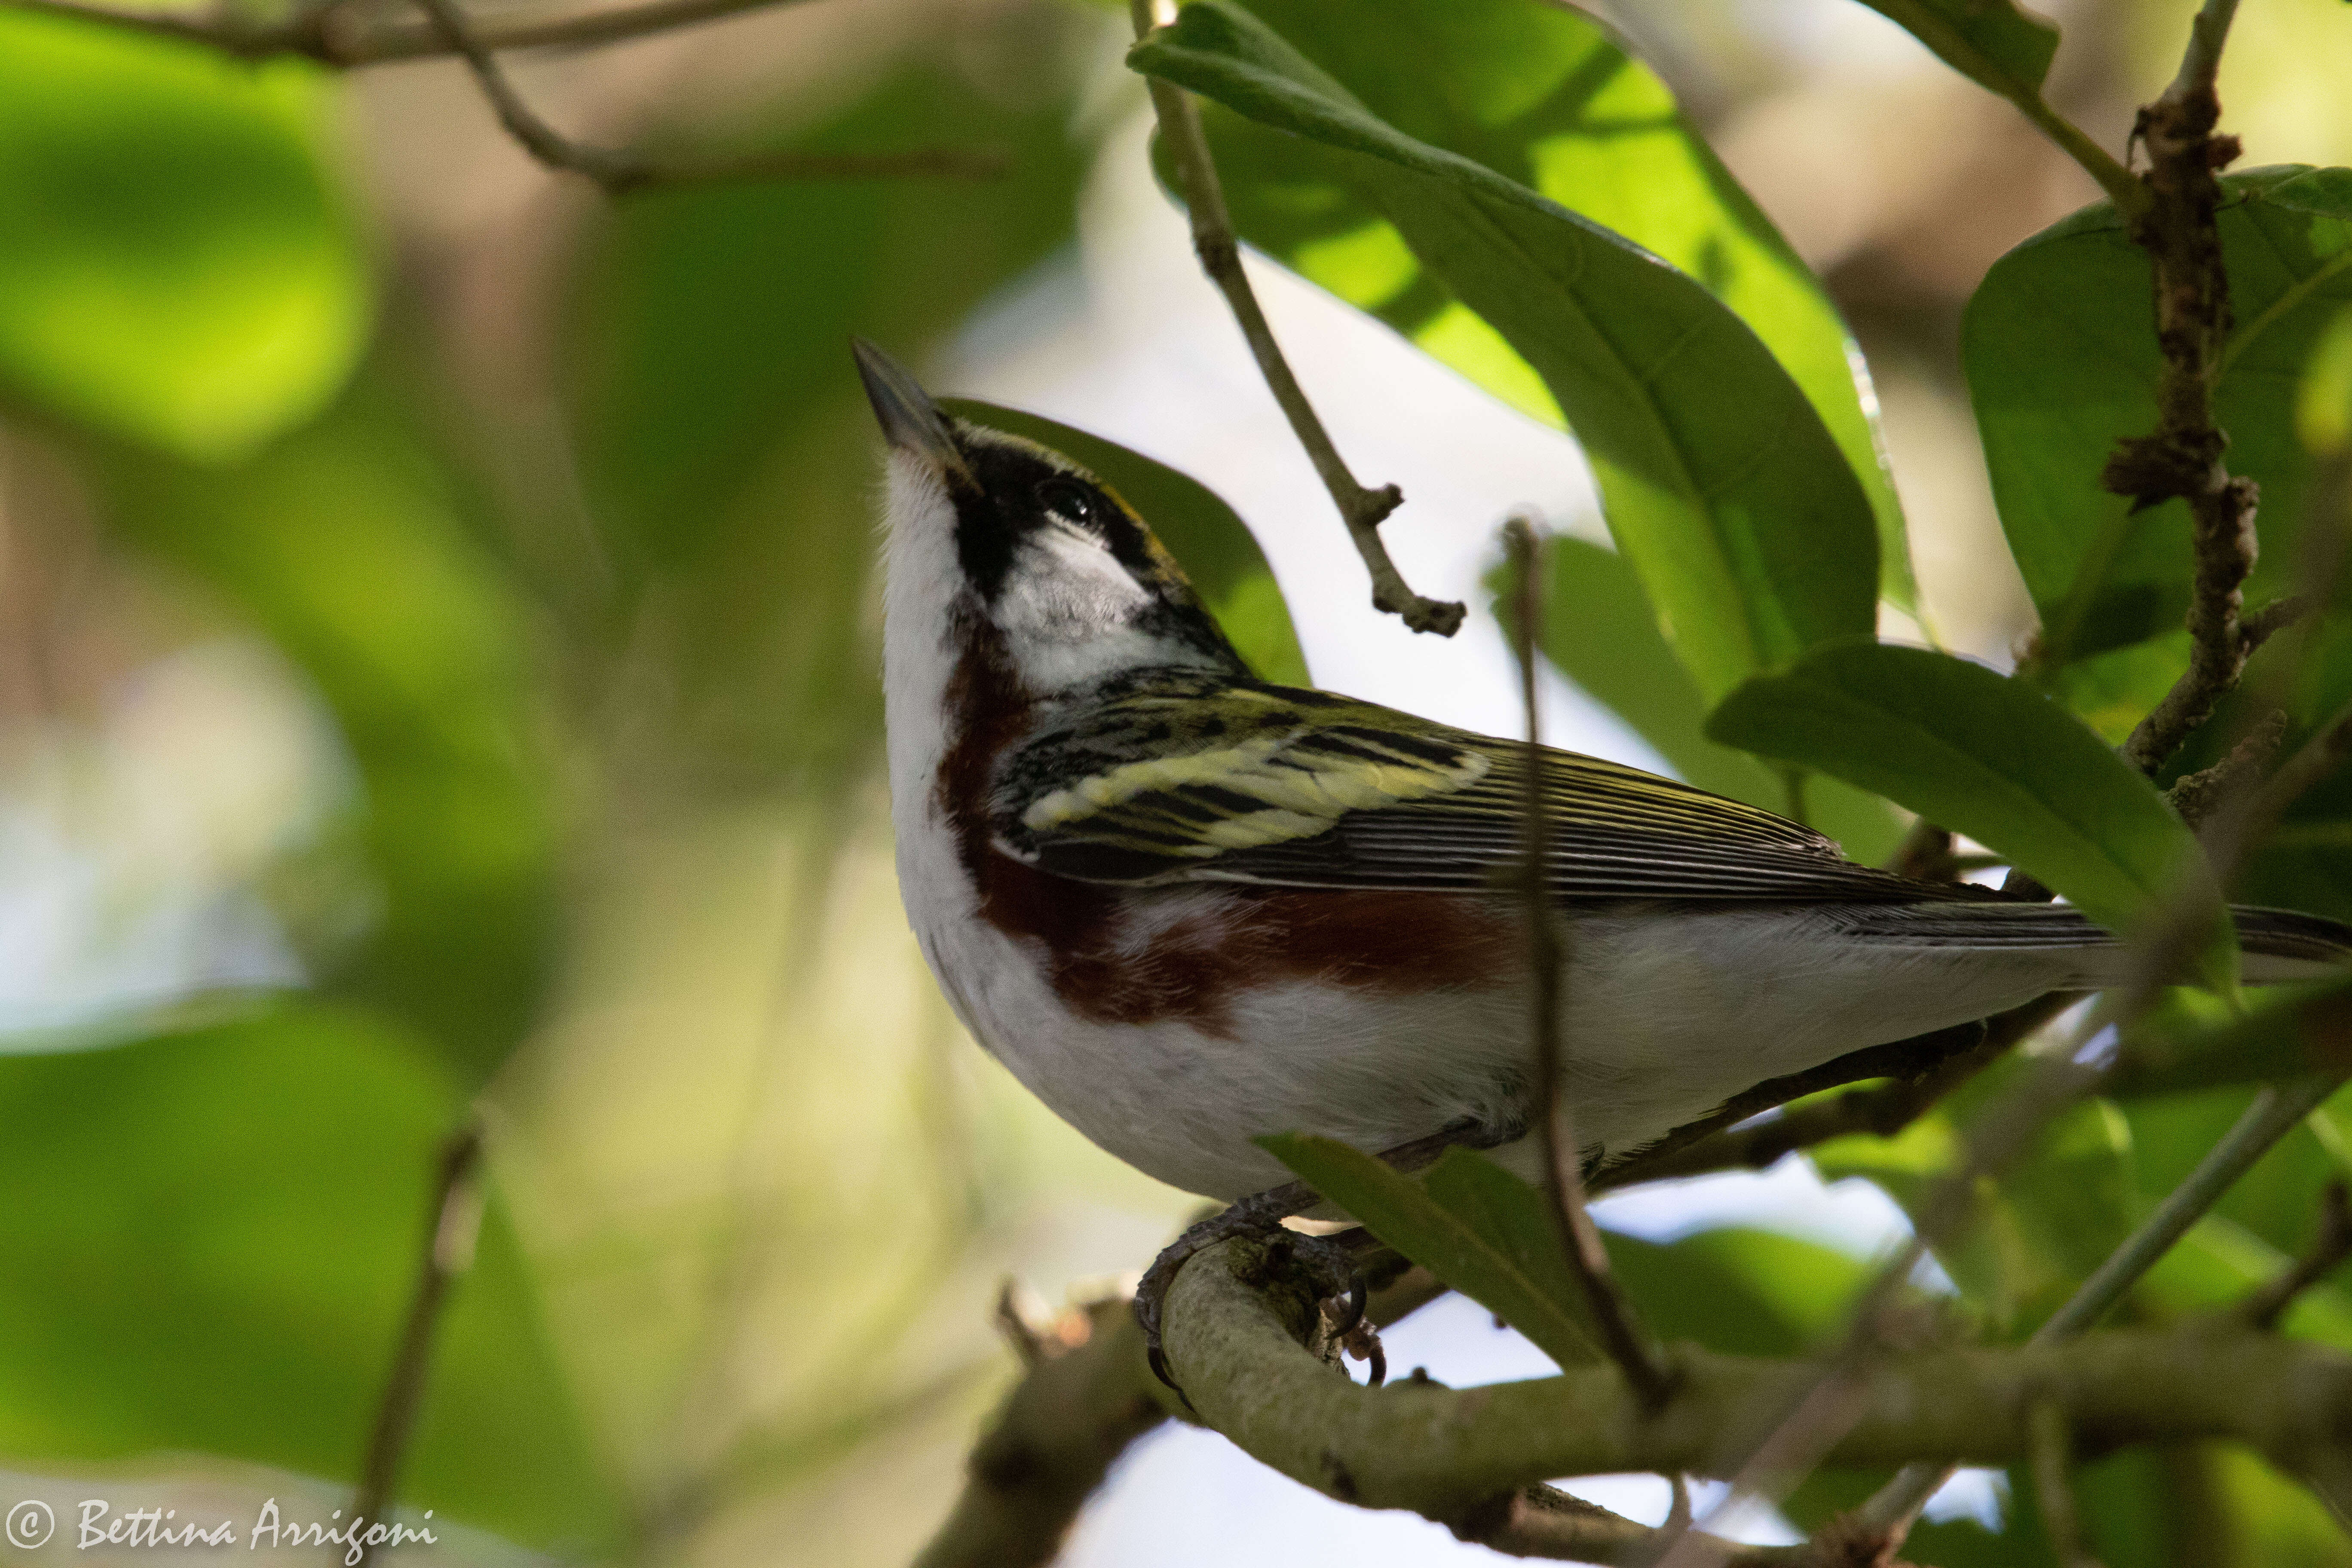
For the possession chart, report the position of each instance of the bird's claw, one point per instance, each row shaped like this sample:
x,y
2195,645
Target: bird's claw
x,y
1330,1265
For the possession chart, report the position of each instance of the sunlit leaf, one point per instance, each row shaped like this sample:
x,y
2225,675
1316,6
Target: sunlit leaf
x,y
1207,537
1545,96
1739,1292
1720,483
1474,1225
2062,363
227,1224
1990,757
177,264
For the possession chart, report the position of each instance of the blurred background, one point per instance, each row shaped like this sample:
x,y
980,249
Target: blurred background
x,y
439,664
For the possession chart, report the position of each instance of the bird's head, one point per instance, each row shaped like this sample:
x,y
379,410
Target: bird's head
x,y
992,533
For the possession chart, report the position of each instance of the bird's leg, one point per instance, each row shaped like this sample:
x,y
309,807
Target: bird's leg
x,y
1330,1260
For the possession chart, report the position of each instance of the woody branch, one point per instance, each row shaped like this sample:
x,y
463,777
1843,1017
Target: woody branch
x,y
1219,249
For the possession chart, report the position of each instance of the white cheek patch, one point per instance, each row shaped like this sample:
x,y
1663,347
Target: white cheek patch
x,y
1064,586
1067,610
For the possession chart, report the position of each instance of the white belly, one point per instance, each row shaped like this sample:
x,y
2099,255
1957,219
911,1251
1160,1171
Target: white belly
x,y
1664,1017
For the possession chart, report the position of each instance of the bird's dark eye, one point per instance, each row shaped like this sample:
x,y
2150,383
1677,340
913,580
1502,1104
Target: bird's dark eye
x,y
1068,499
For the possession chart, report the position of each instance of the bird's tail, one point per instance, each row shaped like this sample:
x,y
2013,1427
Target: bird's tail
x,y
2279,945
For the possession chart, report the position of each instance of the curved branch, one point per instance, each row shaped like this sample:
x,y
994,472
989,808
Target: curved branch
x,y
332,35
1445,1453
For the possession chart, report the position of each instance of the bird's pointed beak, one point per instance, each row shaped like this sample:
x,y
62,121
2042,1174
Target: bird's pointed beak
x,y
908,417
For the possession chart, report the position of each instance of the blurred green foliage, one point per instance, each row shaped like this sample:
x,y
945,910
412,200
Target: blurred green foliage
x,y
206,330
179,264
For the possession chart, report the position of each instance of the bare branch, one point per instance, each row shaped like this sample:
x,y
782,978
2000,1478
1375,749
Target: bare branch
x,y
340,35
2182,458
1214,242
618,173
1547,964
455,1217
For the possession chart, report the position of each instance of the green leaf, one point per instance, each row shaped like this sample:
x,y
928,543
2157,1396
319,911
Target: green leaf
x,y
346,544
2037,1234
727,455
1474,1226
177,264
1207,537
1990,757
1739,1292
1720,483
2323,405
2062,363
2289,1031
214,1235
1599,631
1545,96
1997,44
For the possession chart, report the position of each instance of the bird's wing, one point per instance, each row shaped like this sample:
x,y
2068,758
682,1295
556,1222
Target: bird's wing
x,y
1241,782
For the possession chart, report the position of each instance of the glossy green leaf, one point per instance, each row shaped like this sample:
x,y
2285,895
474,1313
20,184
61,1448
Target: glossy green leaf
x,y
177,264
1207,537
727,455
1997,44
1720,482
1993,759
214,1235
1545,96
1599,631
1474,1225
346,544
2062,363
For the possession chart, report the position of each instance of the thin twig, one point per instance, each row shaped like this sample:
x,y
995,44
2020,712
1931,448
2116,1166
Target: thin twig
x,y
456,1211
2050,1452
335,35
1547,960
1214,242
618,173
2328,1252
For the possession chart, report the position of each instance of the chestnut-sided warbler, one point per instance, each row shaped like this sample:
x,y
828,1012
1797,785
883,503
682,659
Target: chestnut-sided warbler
x,y
1188,908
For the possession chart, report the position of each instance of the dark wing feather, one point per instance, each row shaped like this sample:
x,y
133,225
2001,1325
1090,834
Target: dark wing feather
x,y
1201,779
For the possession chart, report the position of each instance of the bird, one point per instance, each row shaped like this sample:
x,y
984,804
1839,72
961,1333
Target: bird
x,y
1188,907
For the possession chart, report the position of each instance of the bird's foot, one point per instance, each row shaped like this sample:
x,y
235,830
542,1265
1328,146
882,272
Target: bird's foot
x,y
1327,1263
